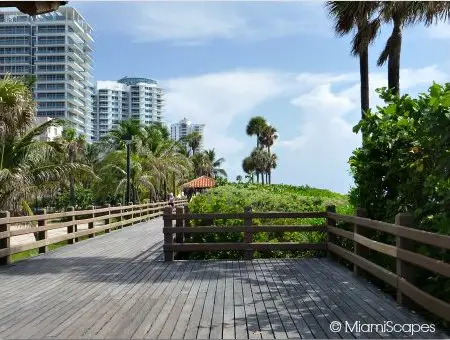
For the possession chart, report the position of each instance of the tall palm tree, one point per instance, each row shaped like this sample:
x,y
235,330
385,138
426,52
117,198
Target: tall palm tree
x,y
73,145
249,168
26,166
267,139
256,126
115,137
350,15
216,164
401,14
193,140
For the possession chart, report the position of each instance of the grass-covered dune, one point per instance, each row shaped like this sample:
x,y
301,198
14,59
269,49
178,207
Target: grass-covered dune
x,y
264,198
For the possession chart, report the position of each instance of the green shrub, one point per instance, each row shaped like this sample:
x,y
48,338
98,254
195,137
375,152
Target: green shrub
x,y
233,198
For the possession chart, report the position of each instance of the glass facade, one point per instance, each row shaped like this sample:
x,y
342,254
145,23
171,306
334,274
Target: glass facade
x,y
55,47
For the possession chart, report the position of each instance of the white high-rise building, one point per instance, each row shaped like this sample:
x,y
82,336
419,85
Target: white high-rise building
x,y
136,98
185,127
55,47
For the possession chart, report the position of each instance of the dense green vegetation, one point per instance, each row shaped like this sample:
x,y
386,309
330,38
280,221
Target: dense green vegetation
x,y
404,165
263,198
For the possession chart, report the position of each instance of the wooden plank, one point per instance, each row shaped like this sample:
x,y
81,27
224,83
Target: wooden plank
x,y
249,303
208,307
429,302
228,305
167,311
183,320
157,302
366,222
191,247
215,216
377,246
240,321
241,229
354,305
338,304
314,301
436,266
281,306
219,298
340,232
378,271
194,320
437,240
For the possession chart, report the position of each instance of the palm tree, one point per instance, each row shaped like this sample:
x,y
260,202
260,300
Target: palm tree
x,y
193,140
271,164
260,159
73,145
115,138
239,179
249,168
216,164
267,139
401,14
350,15
255,127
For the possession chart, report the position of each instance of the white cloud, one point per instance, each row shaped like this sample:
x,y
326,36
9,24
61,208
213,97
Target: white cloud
x,y
217,99
325,107
193,23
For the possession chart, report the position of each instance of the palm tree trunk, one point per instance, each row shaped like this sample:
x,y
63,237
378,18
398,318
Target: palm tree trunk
x,y
72,180
262,178
270,176
257,177
364,74
394,56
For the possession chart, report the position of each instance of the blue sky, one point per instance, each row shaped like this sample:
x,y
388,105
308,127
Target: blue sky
x,y
224,62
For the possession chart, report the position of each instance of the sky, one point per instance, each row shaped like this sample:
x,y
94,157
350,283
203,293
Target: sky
x,y
222,63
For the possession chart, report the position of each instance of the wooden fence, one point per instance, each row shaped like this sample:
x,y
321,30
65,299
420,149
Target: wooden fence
x,y
97,219
402,279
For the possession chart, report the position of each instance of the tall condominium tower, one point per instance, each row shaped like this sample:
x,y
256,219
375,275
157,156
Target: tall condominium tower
x,y
136,98
185,127
55,48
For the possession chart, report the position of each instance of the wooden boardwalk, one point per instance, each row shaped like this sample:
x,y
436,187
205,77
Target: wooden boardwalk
x,y
117,286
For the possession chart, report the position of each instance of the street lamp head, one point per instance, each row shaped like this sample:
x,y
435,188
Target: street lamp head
x,y
128,139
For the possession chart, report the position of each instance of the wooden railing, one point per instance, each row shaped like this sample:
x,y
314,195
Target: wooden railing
x,y
402,251
97,219
182,226
403,278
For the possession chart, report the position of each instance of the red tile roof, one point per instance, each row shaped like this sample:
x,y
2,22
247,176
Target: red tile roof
x,y
201,182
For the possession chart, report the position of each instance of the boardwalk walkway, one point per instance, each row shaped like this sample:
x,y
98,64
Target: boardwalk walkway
x,y
116,286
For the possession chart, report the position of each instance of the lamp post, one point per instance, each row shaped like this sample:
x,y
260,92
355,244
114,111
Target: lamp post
x,y
128,139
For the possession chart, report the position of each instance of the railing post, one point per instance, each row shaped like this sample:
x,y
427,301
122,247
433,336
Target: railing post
x,y
131,216
120,217
359,249
42,235
404,270
248,236
91,224
331,223
107,219
179,223
71,228
168,237
187,222
5,243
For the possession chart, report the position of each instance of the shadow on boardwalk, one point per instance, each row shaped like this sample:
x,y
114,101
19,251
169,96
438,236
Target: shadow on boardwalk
x,y
116,286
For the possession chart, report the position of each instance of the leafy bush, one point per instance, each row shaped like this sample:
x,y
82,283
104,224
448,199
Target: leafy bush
x,y
233,198
404,165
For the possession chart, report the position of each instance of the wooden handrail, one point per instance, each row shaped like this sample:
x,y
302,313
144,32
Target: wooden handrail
x,y
126,215
170,247
402,251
